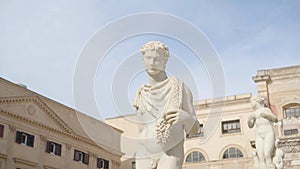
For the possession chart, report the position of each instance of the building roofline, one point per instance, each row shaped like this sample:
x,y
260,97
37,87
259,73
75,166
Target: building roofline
x,y
35,94
279,71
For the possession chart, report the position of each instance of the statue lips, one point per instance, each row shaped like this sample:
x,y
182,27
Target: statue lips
x,y
153,70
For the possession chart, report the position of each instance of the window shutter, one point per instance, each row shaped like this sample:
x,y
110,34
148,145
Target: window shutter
x,y
106,164
86,158
1,130
99,165
19,137
30,140
58,149
48,146
76,155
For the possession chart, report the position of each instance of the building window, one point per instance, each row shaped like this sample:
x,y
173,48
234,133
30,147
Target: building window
x,y
1,131
25,138
292,110
53,148
232,126
200,133
133,164
290,132
81,157
232,153
102,163
195,157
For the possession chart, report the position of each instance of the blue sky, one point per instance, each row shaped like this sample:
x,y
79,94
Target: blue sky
x,y
41,42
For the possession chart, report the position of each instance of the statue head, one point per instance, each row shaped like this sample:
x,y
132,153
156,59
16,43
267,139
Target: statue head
x,y
156,46
257,101
155,57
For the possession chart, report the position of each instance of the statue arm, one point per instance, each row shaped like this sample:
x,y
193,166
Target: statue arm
x,y
267,113
184,115
136,107
251,121
191,125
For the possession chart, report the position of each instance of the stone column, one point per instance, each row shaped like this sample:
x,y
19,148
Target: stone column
x,y
68,156
262,79
92,160
10,147
41,150
115,164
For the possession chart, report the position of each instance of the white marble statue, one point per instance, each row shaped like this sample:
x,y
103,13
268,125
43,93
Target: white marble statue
x,y
263,119
165,111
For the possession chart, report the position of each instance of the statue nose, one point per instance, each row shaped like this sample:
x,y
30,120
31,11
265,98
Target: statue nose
x,y
152,62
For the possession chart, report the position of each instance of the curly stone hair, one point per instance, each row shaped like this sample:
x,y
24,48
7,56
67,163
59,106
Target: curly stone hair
x,y
156,46
257,99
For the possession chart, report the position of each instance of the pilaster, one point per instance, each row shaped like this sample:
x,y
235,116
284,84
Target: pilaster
x,y
10,147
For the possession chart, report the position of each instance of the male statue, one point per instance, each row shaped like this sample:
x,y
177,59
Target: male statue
x,y
165,112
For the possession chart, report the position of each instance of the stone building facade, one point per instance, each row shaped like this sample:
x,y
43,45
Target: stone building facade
x,y
224,140
39,133
281,87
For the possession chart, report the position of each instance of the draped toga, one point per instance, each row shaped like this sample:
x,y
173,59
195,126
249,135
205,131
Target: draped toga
x,y
153,102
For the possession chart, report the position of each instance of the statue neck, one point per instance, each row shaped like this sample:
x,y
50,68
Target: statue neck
x,y
155,79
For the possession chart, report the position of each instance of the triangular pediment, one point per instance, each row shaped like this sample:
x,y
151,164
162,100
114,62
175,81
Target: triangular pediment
x,y
33,110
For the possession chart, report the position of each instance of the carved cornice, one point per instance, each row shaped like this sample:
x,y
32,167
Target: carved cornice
x,y
3,156
38,102
222,101
21,161
67,131
278,73
262,78
48,167
292,70
41,125
290,145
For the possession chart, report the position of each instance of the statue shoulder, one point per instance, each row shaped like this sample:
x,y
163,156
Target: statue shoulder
x,y
184,88
176,79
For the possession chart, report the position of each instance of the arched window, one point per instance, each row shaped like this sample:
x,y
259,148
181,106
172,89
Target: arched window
x,y
232,153
292,110
195,157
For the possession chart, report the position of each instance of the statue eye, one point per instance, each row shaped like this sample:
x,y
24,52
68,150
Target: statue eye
x,y
147,57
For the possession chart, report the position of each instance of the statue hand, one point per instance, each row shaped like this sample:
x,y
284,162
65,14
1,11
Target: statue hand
x,y
251,120
173,117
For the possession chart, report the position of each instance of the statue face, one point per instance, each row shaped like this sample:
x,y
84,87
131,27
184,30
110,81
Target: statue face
x,y
255,104
154,62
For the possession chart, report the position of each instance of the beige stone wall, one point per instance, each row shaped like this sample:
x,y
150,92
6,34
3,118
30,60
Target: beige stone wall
x,y
46,120
212,145
282,86
22,109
